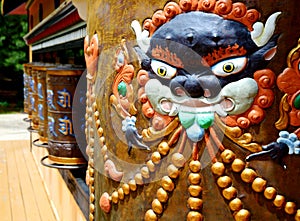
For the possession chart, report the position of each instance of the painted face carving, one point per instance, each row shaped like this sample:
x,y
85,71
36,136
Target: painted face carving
x,y
202,63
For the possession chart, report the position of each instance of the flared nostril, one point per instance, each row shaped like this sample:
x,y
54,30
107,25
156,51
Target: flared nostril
x,y
216,39
190,38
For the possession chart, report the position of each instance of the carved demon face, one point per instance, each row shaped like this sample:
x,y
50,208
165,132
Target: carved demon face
x,y
201,63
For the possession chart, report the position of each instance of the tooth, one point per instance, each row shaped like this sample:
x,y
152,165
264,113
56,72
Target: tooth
x,y
174,110
218,108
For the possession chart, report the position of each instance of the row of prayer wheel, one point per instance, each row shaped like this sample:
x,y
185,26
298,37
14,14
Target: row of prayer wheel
x,y
48,99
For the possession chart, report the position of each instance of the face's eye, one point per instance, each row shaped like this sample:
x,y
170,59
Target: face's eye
x,y
162,69
229,66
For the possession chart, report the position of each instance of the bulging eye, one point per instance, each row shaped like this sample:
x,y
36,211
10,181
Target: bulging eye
x,y
162,69
229,66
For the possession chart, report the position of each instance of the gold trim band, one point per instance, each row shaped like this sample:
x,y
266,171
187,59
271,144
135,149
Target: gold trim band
x,y
66,160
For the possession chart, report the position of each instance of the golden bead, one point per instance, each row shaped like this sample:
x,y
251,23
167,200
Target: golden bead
x,y
150,215
145,172
151,166
235,204
91,132
156,157
163,148
96,115
297,216
195,166
121,193
104,150
195,203
92,208
218,168
290,208
178,160
94,106
248,175
98,123
100,131
237,165
92,142
259,185
227,156
91,217
101,141
132,185
279,201
173,172
162,195
92,189
194,216
194,178
229,193
91,171
92,197
242,215
157,207
115,197
138,179
126,188
195,190
270,193
224,181
167,183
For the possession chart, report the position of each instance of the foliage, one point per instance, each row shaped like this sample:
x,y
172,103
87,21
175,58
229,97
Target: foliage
x,y
13,50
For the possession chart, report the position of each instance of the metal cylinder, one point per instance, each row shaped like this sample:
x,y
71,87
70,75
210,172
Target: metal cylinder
x,y
61,85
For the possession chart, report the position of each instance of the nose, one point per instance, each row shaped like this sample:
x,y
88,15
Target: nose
x,y
186,86
195,86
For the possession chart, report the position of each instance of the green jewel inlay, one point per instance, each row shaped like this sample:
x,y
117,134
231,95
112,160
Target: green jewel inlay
x,y
297,102
186,119
205,120
122,89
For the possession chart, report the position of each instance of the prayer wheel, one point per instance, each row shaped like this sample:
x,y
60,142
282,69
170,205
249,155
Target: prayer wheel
x,y
61,85
35,96
42,101
26,87
193,109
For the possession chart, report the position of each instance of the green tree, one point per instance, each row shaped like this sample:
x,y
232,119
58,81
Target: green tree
x,y
13,53
13,50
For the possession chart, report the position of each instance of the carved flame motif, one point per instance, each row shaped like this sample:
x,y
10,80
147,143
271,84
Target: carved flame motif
x,y
289,82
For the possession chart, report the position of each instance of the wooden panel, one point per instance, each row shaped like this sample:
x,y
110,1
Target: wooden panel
x,y
60,195
4,188
22,191
26,185
17,204
45,209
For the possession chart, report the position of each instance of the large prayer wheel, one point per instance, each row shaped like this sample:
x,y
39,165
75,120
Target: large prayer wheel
x,y
61,85
193,109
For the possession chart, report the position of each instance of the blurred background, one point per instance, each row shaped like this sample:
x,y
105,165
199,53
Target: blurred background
x,y
13,53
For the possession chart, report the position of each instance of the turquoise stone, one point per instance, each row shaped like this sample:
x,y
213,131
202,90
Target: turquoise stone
x,y
205,120
186,119
122,89
297,102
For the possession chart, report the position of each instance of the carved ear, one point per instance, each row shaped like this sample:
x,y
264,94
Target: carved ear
x,y
270,53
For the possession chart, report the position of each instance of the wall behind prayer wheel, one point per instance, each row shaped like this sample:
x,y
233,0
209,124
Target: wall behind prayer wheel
x,y
161,183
